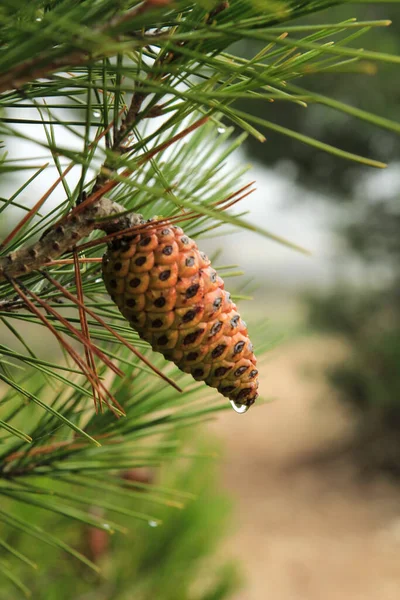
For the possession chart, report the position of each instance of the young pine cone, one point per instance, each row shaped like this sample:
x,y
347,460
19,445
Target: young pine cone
x,y
174,299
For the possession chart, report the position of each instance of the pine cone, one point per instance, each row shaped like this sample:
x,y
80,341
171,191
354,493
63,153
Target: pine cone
x,y
174,299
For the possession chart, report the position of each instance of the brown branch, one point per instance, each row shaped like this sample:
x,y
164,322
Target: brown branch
x,y
43,65
129,121
31,69
215,11
63,236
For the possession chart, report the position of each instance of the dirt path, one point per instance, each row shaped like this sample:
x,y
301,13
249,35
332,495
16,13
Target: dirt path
x,y
313,533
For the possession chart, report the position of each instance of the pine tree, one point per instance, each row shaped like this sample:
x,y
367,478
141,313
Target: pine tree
x,y
138,104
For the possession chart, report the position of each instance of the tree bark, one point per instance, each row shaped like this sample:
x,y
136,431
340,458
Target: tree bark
x,y
64,235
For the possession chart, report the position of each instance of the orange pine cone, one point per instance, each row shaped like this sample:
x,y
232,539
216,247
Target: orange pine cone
x,y
175,300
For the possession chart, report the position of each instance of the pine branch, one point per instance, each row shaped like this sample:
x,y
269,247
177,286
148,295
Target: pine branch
x,y
170,61
157,74
42,66
63,237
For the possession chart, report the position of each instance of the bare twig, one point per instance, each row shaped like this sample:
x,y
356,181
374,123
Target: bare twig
x,y
63,236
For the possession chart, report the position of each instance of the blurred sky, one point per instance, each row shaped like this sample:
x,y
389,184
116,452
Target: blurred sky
x,y
276,206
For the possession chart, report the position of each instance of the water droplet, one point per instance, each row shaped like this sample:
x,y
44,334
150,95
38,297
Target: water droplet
x,y
98,280
221,129
39,19
153,523
96,114
106,526
239,408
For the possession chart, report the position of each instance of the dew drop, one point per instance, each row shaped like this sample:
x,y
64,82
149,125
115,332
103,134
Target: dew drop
x,y
39,19
96,114
239,408
98,280
106,526
153,524
221,129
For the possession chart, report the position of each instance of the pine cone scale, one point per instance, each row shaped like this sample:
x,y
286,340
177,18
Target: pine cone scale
x,y
171,295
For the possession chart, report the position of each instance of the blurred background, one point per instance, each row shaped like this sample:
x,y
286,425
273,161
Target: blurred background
x,y
314,474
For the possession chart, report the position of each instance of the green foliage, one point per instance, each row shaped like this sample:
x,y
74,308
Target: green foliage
x,y
365,87
366,316
142,98
174,560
